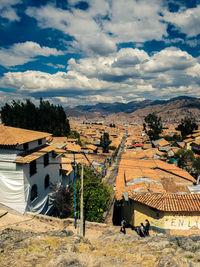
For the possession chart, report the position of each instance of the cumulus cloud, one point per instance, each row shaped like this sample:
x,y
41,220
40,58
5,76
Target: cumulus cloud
x,y
91,99
114,78
79,24
36,81
136,21
21,53
8,11
186,20
169,59
99,28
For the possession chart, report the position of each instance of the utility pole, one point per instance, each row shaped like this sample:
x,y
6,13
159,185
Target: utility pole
x,y
74,192
82,215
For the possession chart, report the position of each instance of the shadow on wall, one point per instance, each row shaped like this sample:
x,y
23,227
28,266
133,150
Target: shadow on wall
x,y
117,213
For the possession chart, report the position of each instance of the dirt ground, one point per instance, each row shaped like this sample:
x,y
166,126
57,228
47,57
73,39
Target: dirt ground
x,y
14,220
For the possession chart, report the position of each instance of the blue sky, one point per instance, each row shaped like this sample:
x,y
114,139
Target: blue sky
x,y
84,52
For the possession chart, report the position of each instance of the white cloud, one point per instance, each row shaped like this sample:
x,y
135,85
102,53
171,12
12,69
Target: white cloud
x,y
56,66
21,53
8,11
117,77
91,99
8,97
130,21
169,59
36,81
136,21
186,20
79,24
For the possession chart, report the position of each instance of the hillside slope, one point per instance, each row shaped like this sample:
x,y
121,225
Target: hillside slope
x,y
173,108
40,241
63,248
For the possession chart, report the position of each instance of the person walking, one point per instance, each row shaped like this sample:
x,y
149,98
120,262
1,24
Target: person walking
x,y
147,227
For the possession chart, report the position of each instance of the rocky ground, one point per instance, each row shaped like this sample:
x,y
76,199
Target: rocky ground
x,y
64,248
42,241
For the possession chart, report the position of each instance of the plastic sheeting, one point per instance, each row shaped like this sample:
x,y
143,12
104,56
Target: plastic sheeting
x,y
15,188
12,192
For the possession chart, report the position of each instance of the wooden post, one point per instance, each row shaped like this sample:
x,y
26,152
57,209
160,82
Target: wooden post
x,y
82,215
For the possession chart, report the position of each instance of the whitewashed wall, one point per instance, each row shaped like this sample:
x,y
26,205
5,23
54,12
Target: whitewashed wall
x,y
39,204
32,145
11,182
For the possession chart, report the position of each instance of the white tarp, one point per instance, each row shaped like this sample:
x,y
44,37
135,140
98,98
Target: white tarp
x,y
11,183
15,187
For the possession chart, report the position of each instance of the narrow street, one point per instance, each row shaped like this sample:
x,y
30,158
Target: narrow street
x,y
110,179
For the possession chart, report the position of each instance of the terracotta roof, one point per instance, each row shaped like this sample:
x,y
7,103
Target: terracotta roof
x,y
54,140
73,147
169,202
188,140
90,146
150,175
197,142
162,142
27,158
12,136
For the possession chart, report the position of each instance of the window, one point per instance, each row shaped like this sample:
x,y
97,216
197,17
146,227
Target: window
x,y
25,146
32,167
39,141
46,159
46,181
34,192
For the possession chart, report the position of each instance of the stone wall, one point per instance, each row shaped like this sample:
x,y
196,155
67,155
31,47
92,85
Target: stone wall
x,y
64,223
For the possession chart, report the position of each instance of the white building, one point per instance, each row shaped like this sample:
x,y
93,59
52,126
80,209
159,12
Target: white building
x,y
28,166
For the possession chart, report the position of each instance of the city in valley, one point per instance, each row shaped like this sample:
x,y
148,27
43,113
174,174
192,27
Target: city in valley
x,y
99,133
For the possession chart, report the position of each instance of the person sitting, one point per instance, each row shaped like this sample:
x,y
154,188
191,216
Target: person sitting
x,y
142,230
123,226
147,227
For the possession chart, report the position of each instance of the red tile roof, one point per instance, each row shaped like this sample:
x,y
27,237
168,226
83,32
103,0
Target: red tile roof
x,y
12,136
37,153
169,202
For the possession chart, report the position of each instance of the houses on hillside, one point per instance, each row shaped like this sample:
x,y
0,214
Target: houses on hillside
x,y
28,166
148,188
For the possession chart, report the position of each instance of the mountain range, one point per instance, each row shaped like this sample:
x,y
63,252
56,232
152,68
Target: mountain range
x,y
177,107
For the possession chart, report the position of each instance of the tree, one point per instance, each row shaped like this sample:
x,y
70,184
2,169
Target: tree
x,y
173,139
187,126
196,165
45,118
185,157
154,126
105,142
97,195
62,204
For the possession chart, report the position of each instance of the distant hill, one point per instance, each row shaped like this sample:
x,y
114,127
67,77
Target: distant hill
x,y
179,107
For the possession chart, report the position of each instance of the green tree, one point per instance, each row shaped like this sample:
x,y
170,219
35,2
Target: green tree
x,y
187,126
185,158
173,139
45,118
154,126
105,142
196,165
97,195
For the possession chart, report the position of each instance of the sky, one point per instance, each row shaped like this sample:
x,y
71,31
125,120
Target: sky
x,y
83,52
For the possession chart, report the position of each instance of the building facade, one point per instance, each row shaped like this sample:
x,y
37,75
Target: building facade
x,y
28,169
